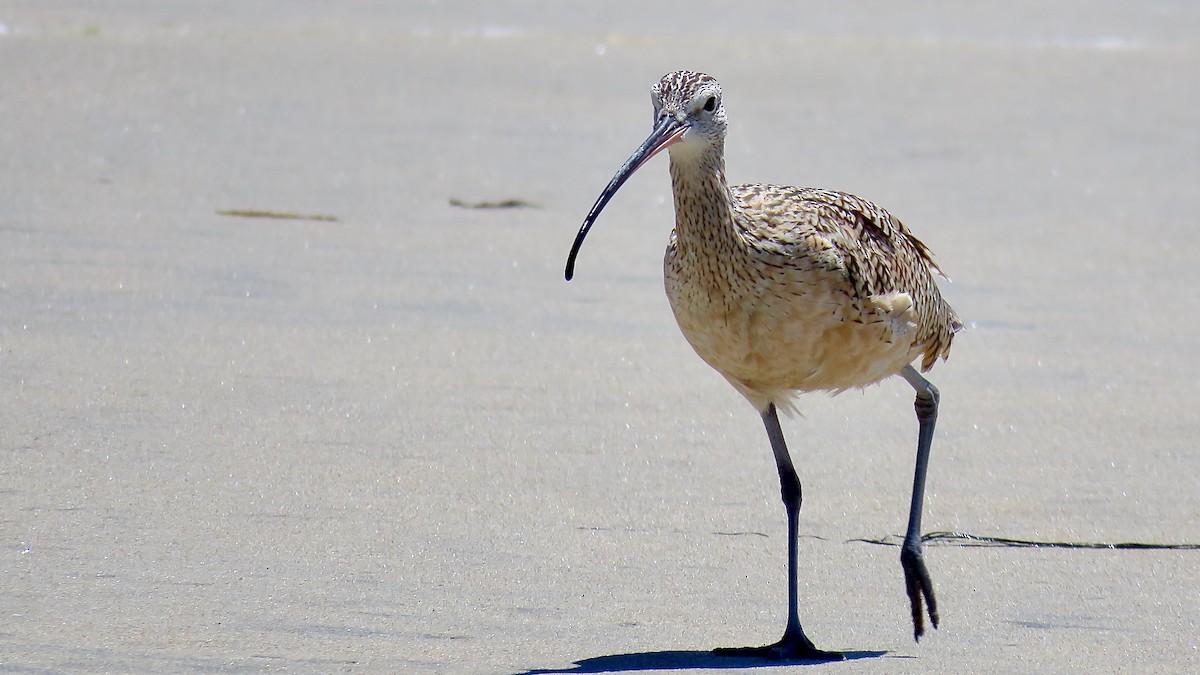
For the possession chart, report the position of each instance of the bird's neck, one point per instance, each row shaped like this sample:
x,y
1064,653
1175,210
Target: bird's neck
x,y
703,204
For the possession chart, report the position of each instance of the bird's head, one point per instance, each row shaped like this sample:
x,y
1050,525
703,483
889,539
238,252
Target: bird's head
x,y
689,105
688,118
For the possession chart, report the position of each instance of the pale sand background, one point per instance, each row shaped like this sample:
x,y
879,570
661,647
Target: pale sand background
x,y
399,442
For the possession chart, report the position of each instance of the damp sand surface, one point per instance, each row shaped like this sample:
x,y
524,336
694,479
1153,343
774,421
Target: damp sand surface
x,y
290,379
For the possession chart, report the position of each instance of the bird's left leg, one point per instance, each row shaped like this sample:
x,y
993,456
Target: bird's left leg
x,y
794,645
916,575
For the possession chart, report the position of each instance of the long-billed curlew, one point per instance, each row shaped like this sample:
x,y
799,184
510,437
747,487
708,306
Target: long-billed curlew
x,y
785,290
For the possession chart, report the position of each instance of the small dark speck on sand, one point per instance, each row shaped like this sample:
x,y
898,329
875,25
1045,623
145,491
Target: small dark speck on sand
x,y
499,204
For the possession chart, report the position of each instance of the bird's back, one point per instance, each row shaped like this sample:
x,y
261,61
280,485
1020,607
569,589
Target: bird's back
x,y
811,290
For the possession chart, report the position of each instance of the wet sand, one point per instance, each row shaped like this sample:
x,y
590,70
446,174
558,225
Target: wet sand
x,y
379,432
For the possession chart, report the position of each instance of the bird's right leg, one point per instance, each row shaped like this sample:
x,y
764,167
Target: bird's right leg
x,y
916,574
794,644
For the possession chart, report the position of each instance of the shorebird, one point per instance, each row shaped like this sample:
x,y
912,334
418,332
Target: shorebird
x,y
785,290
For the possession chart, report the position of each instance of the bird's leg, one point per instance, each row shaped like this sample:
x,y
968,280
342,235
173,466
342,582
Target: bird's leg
x,y
794,644
916,575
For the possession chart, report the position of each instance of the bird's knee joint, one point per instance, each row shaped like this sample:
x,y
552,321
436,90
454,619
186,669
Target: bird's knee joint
x,y
789,488
926,403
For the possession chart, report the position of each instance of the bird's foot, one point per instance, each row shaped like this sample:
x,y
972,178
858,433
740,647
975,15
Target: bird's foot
x,y
920,588
795,646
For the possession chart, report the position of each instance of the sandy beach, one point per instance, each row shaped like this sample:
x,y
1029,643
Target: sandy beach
x,y
290,379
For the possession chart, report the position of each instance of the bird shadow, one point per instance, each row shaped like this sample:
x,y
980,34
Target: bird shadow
x,y
684,660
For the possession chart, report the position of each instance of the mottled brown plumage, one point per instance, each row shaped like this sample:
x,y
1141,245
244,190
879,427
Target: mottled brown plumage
x,y
786,290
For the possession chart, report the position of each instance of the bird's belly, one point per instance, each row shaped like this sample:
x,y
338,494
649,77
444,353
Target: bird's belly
x,y
770,345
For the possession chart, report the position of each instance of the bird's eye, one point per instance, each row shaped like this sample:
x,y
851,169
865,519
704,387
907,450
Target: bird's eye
x,y
711,104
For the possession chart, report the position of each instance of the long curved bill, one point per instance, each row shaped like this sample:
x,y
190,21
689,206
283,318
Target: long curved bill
x,y
668,131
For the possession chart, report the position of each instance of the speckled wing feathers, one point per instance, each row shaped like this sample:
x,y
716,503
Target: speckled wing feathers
x,y
877,256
